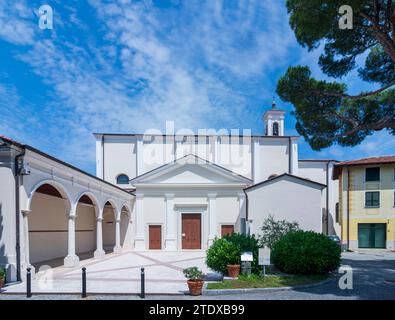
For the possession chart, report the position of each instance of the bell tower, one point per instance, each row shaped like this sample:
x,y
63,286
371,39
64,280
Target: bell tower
x,y
274,121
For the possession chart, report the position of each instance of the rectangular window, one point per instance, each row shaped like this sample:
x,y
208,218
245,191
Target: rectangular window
x,y
372,174
337,212
372,199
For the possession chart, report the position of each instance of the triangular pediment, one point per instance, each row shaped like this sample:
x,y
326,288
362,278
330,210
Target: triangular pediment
x,y
190,170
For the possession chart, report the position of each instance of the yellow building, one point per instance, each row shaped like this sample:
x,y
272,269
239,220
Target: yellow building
x,y
366,208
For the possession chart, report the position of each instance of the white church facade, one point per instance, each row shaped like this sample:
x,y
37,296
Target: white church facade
x,y
156,191
191,188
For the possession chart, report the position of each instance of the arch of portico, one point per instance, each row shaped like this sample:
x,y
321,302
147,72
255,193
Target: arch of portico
x,y
63,216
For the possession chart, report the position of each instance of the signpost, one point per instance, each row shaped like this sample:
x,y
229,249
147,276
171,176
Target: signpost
x,y
264,258
246,260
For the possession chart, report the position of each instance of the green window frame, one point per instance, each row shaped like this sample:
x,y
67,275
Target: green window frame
x,y
372,174
372,199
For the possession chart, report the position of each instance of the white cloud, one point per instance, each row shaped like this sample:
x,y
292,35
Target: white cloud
x,y
15,23
199,66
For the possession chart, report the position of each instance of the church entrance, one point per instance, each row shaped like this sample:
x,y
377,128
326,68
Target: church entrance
x,y
191,231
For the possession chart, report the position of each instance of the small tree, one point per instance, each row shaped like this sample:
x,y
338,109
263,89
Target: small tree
x,y
273,230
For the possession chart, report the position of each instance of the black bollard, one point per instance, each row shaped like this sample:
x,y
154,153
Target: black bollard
x,y
28,283
83,282
142,295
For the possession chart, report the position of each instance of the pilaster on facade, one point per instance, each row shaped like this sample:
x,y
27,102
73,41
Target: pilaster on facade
x,y
139,243
171,224
140,158
212,213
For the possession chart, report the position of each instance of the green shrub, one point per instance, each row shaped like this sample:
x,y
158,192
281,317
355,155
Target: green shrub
x,y
246,243
221,253
228,250
272,230
2,273
193,273
306,252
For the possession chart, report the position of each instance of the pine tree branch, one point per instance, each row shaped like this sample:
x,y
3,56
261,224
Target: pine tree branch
x,y
383,123
385,40
362,95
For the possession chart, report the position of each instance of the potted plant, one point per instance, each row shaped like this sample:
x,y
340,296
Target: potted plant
x,y
195,280
233,270
2,278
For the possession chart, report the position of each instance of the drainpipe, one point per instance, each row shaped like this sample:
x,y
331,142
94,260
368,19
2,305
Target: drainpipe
x,y
17,215
290,155
348,208
327,198
246,213
102,148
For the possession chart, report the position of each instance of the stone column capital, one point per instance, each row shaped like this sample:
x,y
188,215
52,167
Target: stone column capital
x,y
212,195
169,196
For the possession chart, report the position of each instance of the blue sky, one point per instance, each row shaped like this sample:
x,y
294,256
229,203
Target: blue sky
x,y
127,66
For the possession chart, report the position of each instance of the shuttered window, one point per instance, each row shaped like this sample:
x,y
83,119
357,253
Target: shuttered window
x,y
372,174
372,199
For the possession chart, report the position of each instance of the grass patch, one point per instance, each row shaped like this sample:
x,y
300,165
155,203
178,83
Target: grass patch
x,y
255,281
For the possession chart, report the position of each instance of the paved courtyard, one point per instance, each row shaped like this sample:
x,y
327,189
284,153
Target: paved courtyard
x,y
373,278
120,273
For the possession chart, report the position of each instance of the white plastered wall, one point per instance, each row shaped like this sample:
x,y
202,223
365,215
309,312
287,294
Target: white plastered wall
x,y
273,158
317,171
119,158
285,199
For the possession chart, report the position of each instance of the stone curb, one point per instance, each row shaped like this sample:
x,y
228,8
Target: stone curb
x,y
213,292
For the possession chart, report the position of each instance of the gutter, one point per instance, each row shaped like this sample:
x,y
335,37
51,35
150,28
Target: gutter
x,y
17,215
348,208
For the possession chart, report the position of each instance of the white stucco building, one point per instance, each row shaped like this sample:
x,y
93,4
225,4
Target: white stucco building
x,y
154,191
194,186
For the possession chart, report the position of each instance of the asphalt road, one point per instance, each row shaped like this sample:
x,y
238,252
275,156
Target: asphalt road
x,y
373,279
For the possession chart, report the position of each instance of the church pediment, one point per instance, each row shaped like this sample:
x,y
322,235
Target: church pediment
x,y
190,170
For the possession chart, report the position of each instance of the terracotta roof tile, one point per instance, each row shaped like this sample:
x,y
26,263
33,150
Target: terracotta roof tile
x,y
365,161
373,160
10,140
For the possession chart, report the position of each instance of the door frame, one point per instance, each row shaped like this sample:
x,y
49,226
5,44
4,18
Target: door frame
x,y
161,235
196,209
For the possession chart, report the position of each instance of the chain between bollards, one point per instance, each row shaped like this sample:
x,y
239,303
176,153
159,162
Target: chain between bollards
x,y
28,283
142,295
83,295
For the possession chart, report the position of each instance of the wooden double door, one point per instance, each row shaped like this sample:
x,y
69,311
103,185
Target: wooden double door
x,y
191,231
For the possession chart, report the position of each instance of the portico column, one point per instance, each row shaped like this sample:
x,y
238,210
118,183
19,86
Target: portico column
x,y
99,252
117,248
212,212
171,224
139,243
72,259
